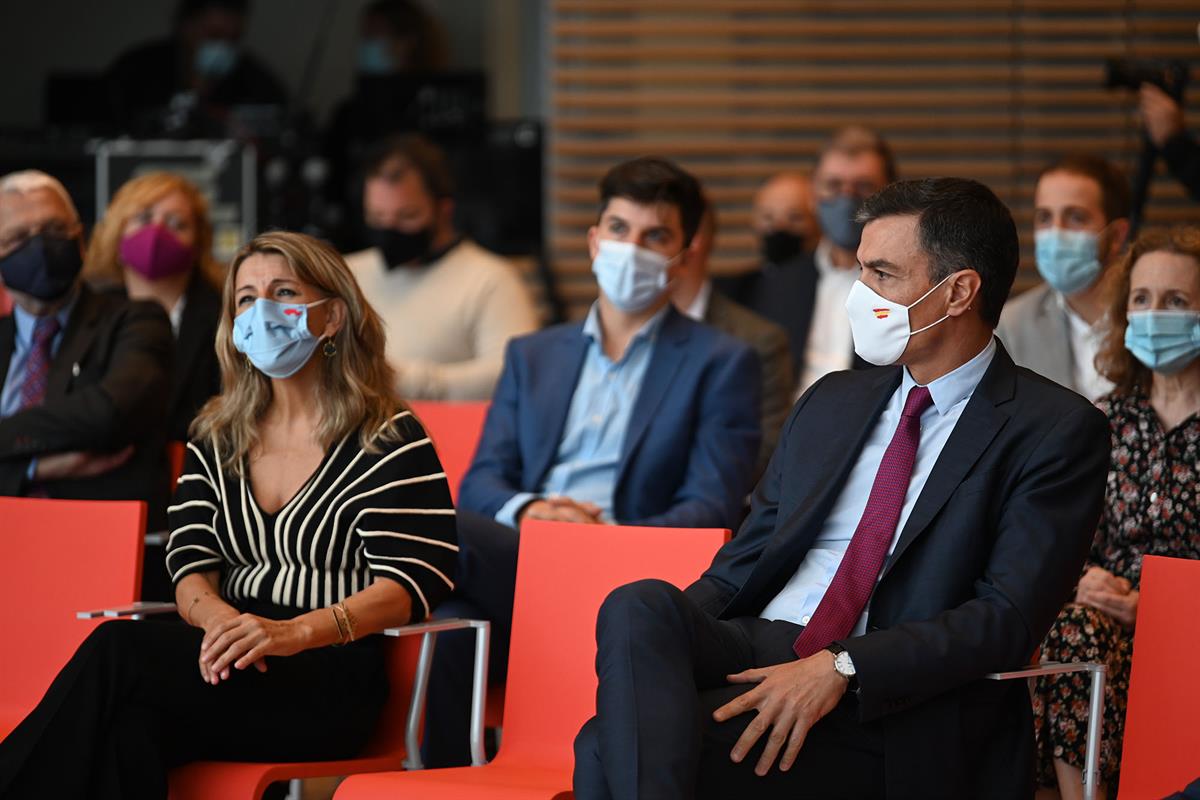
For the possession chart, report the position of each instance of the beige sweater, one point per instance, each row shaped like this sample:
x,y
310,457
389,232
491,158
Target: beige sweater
x,y
447,322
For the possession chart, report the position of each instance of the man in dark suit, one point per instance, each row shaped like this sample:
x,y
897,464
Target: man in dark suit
x,y
918,528
84,375
638,415
693,295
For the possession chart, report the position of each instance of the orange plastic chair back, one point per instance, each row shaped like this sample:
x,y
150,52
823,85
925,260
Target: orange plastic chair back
x,y
1162,723
455,429
59,557
564,572
176,451
5,303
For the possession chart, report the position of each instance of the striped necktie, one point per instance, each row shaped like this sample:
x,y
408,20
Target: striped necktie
x,y
37,366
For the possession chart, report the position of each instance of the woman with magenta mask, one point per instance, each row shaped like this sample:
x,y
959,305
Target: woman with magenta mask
x,y
155,242
312,514
1152,353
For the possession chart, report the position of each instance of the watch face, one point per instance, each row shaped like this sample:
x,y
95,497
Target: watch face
x,y
843,664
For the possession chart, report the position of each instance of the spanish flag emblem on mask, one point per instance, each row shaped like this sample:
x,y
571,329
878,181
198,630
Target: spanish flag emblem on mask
x,y
881,313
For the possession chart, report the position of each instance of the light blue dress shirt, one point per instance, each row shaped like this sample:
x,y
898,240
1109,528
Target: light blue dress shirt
x,y
585,467
800,597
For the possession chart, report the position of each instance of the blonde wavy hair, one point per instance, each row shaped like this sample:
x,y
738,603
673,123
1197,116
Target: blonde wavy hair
x,y
103,262
1114,361
356,383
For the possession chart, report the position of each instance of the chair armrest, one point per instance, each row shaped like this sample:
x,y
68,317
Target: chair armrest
x,y
139,610
1095,730
416,709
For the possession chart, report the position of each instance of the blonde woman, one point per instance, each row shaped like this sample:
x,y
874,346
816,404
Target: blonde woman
x,y
155,241
312,512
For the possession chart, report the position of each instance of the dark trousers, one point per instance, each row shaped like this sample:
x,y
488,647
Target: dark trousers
x,y
487,575
662,663
130,704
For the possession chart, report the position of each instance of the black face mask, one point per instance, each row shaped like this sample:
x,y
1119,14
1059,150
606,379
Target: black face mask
x,y
779,247
45,267
400,248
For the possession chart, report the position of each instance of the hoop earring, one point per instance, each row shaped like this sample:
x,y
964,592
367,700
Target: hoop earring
x,y
330,349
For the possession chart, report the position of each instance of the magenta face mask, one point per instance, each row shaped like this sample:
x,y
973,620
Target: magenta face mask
x,y
155,253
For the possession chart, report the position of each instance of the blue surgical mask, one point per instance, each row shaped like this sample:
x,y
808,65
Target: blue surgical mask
x,y
631,277
1068,260
215,58
375,57
275,336
837,217
1165,341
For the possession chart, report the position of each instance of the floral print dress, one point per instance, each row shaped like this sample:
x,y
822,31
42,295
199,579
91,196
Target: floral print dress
x,y
1151,507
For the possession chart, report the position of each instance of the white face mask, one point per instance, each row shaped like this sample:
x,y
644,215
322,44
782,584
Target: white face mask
x,y
631,277
880,327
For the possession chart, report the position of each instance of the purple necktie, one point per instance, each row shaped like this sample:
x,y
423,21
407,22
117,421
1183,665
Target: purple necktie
x,y
848,593
37,366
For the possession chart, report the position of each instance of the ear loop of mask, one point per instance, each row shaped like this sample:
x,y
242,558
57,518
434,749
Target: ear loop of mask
x,y
932,289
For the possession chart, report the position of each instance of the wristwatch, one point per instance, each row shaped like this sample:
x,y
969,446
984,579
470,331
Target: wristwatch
x,y
843,664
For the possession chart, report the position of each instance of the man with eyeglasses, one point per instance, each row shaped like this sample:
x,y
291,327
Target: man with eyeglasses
x,y
84,376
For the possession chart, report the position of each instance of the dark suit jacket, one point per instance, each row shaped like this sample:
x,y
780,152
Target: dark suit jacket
x,y
782,294
987,558
107,388
197,373
770,341
692,440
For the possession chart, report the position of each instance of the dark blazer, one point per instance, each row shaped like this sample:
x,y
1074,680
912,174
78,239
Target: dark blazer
x,y
107,388
783,294
986,560
197,373
692,440
770,341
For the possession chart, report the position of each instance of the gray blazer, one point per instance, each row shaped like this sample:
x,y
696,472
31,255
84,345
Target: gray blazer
x,y
1037,334
770,341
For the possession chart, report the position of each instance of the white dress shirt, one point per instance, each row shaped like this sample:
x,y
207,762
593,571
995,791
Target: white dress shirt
x,y
1086,341
800,597
830,346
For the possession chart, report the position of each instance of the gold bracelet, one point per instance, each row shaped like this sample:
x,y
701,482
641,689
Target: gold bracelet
x,y
337,620
351,623
192,607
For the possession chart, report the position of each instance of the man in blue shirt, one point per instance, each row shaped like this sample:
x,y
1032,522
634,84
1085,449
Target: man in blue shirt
x,y
638,415
83,376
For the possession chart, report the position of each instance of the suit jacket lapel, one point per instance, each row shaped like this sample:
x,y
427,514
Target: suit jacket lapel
x,y
666,359
8,343
553,398
77,340
981,420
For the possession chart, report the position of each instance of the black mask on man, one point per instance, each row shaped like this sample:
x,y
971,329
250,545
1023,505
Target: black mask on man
x,y
45,267
400,248
779,247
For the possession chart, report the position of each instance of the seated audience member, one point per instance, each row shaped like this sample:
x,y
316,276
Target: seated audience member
x,y
312,512
917,529
199,73
1163,119
692,294
1152,354
450,306
85,375
810,304
1080,221
637,416
155,241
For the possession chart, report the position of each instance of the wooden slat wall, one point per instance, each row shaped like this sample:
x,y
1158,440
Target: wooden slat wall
x,y
738,89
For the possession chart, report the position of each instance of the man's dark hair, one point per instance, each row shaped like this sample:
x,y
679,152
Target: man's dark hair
x,y
1114,188
649,180
415,152
961,224
854,140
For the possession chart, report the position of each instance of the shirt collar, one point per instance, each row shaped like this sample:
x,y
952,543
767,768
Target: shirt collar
x,y
699,306
823,257
592,330
25,321
957,385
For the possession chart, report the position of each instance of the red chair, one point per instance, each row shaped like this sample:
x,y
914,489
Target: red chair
x,y
455,429
176,452
552,655
1162,722
59,555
